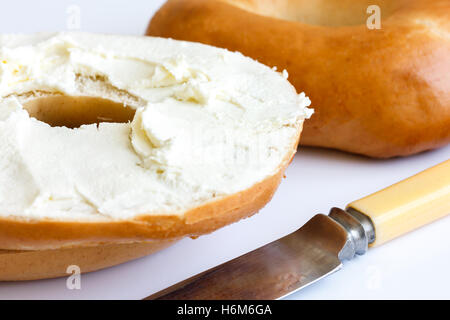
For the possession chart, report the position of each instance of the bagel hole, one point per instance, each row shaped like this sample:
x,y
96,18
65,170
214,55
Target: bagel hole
x,y
319,12
74,112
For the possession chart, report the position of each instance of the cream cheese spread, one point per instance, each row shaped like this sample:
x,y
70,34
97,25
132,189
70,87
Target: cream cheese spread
x,y
208,123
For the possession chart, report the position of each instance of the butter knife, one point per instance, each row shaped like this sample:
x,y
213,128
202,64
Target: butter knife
x,y
318,248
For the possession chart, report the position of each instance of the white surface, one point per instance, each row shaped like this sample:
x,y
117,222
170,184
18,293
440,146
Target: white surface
x,y
412,267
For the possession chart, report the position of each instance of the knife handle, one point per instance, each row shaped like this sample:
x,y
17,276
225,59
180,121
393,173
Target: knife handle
x,y
407,205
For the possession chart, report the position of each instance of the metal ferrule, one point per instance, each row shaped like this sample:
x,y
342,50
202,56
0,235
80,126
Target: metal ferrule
x,y
360,231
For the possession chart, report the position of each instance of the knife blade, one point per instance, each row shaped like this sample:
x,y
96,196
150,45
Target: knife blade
x,y
318,248
272,271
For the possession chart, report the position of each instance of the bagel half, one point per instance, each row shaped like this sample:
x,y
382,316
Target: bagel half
x,y
118,140
380,93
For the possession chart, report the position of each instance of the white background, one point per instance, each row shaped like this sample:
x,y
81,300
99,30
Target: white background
x,y
415,266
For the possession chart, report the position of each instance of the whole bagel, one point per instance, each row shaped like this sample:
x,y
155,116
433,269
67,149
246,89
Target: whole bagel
x,y
381,93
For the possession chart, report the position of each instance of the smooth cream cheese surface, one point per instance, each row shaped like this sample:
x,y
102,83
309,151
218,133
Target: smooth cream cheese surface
x,y
208,123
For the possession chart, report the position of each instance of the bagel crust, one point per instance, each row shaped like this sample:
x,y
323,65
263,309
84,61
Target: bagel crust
x,y
380,93
112,140
47,264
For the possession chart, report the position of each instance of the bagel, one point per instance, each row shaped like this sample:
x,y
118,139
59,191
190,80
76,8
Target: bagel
x,y
120,140
380,93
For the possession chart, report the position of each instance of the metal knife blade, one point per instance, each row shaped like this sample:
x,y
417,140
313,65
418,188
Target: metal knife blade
x,y
275,270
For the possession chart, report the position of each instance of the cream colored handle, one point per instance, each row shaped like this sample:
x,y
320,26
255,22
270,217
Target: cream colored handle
x,y
409,204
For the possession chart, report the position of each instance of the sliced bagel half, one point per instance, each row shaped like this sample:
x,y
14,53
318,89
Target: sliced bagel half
x,y
118,139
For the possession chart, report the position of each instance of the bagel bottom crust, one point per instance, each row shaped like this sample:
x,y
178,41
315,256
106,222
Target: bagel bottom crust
x,y
47,264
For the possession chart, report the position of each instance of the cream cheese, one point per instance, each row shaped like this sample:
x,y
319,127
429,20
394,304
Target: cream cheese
x,y
208,123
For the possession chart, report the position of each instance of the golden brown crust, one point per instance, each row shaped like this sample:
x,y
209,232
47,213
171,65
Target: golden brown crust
x,y
46,234
380,93
34,265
